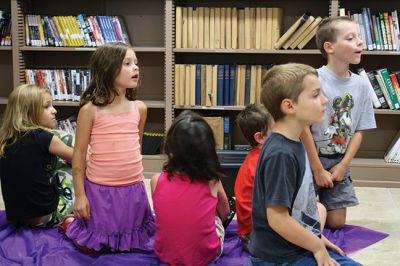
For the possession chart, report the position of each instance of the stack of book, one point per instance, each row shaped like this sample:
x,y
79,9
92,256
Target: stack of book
x,y
217,85
67,125
378,31
393,153
5,28
299,33
227,27
385,89
63,84
75,31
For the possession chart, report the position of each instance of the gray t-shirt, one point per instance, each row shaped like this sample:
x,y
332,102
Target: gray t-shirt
x,y
349,110
283,178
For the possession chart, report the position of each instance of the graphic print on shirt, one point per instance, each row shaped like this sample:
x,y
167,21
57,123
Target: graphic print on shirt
x,y
339,128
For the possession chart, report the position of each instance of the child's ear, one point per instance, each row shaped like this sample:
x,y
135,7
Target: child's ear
x,y
328,47
287,106
259,137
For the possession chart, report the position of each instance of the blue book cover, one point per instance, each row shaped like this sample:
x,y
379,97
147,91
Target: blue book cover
x,y
220,85
226,85
232,76
198,85
247,85
227,133
102,28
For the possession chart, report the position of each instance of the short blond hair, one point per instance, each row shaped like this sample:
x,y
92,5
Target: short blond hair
x,y
23,113
283,82
327,32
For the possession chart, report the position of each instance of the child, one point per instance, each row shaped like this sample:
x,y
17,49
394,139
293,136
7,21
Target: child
x,y
28,150
189,201
286,223
111,206
349,112
254,122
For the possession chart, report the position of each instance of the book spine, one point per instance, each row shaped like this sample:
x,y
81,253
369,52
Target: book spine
x,y
389,86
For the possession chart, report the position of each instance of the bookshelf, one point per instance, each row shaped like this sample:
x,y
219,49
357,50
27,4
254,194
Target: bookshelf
x,y
151,26
369,168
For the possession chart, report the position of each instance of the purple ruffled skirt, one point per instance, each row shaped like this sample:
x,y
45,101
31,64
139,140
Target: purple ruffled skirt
x,y
121,218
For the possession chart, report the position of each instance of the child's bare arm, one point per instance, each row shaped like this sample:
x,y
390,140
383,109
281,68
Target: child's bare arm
x,y
338,170
60,149
83,129
288,228
322,177
143,117
153,182
222,205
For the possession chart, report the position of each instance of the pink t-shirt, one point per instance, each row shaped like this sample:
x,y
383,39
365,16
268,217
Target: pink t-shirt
x,y
185,221
116,158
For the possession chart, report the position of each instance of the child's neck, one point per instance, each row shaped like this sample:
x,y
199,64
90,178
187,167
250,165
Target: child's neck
x,y
339,68
289,128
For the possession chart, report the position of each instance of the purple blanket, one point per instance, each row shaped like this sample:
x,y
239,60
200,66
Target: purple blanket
x,y
25,246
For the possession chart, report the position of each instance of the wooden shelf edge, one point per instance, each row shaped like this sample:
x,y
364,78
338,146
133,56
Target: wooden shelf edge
x,y
386,112
155,157
5,48
372,163
199,107
246,51
86,49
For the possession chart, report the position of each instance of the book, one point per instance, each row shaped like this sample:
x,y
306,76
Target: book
x,y
291,30
392,93
178,27
227,133
217,126
377,89
384,90
392,154
374,98
309,29
298,32
277,25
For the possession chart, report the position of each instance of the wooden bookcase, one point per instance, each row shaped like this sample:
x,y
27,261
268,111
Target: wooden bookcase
x,y
151,26
369,168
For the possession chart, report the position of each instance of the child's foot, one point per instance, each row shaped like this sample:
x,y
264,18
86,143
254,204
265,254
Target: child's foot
x,y
62,227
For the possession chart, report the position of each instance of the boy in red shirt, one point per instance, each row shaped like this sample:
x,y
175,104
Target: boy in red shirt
x,y
255,123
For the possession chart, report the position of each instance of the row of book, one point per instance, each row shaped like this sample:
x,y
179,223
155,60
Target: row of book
x,y
385,89
75,31
227,27
299,33
393,153
5,28
217,85
63,84
378,31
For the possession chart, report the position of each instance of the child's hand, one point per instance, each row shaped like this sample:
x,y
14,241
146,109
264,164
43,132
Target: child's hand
x,y
82,207
323,259
337,172
323,178
330,245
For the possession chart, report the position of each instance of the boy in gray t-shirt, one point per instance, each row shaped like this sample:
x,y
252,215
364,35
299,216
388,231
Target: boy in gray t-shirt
x,y
335,142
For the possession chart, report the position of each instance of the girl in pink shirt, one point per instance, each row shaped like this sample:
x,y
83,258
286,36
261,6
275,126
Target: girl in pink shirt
x,y
111,207
189,201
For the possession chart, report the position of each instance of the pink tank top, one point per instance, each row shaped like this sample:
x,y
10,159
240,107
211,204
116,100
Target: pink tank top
x,y
116,158
185,221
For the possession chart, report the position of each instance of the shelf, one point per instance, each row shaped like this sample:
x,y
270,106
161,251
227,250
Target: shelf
x,y
5,48
85,49
245,51
199,107
380,52
373,163
386,112
150,104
